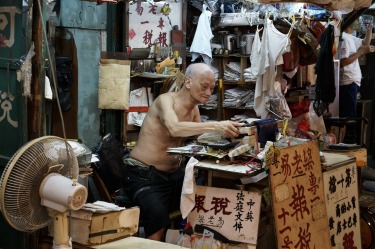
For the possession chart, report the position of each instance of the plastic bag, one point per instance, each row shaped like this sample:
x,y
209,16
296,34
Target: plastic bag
x,y
278,105
184,241
316,123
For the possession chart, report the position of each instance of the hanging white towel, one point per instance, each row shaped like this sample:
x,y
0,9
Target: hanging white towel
x,y
201,44
187,195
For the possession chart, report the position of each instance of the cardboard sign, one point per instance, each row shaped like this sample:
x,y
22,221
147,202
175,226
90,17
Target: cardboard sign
x,y
298,197
232,213
341,192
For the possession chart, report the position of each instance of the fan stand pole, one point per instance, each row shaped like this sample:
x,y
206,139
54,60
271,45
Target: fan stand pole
x,y
61,237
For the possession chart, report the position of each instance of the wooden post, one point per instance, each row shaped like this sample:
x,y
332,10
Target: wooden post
x,y
37,80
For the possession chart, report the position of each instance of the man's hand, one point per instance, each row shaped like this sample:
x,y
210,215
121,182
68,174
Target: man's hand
x,y
369,26
228,128
364,49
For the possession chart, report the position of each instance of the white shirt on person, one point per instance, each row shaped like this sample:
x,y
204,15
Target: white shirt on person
x,y
352,72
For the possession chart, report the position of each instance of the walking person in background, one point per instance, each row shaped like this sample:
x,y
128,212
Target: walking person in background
x,y
352,48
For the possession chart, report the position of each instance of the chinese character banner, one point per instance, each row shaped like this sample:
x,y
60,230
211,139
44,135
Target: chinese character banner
x,y
152,23
341,192
233,213
298,197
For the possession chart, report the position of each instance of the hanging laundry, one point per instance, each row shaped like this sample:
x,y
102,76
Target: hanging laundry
x,y
259,54
201,45
325,88
274,44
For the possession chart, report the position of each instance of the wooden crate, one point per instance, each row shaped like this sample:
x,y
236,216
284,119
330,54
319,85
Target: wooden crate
x,y
89,228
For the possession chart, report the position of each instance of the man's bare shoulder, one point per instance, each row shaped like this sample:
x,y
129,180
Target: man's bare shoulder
x,y
165,97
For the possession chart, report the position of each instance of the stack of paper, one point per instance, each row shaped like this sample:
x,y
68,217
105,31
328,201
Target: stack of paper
x,y
101,207
236,97
232,72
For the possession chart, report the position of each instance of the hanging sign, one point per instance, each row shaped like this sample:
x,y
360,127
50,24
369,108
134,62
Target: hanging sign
x,y
341,192
151,22
298,197
232,213
7,23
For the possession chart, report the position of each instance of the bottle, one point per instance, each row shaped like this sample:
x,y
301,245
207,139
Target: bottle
x,y
156,51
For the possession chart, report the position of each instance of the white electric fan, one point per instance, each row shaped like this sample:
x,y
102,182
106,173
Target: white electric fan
x,y
39,184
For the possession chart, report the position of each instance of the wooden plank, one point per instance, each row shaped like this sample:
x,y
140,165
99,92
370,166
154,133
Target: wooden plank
x,y
360,155
114,55
298,197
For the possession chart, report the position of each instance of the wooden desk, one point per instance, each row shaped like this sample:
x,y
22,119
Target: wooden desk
x,y
137,243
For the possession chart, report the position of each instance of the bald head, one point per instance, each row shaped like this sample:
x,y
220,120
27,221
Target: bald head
x,y
198,69
199,82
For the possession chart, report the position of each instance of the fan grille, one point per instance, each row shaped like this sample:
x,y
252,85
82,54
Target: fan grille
x,y
79,198
21,179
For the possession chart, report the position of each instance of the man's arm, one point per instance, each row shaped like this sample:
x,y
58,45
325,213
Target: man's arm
x,y
186,129
363,49
347,61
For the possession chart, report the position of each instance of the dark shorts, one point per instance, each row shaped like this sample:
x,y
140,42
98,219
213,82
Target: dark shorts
x,y
348,100
155,192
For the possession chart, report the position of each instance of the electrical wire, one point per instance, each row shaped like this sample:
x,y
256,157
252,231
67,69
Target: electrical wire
x,y
52,70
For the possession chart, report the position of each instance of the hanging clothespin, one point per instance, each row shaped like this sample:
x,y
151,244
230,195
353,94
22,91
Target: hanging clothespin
x,y
302,38
339,22
208,5
250,21
292,25
292,17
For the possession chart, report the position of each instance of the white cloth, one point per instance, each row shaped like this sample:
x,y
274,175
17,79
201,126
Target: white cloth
x,y
258,57
141,97
201,44
276,44
187,195
136,118
352,72
47,89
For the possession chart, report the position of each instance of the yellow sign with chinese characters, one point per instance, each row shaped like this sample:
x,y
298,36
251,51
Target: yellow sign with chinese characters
x,y
298,197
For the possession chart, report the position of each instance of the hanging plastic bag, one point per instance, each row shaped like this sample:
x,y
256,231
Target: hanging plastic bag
x,y
278,105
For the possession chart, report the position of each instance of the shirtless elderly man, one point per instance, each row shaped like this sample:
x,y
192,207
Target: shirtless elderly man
x,y
152,177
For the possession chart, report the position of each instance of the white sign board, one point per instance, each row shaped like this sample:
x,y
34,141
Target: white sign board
x,y
153,22
341,193
232,213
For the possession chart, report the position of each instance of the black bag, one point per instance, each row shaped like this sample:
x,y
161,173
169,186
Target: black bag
x,y
110,166
64,81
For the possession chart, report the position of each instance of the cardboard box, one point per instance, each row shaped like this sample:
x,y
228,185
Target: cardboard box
x,y
89,228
